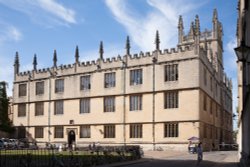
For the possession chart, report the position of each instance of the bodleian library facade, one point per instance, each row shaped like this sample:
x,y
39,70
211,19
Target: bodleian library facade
x,y
157,99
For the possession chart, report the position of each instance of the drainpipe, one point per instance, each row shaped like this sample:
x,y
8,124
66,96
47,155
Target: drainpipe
x,y
153,109
28,116
49,111
52,74
124,102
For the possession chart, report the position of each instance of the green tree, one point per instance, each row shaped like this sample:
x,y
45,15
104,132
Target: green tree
x,y
5,124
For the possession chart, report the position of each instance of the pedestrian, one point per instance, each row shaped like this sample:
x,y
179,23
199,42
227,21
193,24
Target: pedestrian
x,y
199,154
189,146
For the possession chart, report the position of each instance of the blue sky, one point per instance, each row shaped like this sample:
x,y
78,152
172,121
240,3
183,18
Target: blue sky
x,y
40,26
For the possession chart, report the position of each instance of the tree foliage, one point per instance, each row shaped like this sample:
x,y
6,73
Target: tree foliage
x,y
5,124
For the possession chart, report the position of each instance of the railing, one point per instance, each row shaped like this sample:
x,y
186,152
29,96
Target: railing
x,y
82,157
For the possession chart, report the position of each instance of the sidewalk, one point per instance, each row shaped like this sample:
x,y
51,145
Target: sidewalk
x,y
163,154
149,156
182,158
231,158
125,163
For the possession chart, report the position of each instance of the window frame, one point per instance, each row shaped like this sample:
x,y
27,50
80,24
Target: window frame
x,y
109,104
205,77
59,85
136,131
85,105
136,77
205,102
171,130
22,89
21,110
109,131
135,102
61,111
58,131
109,80
87,133
211,106
85,82
171,99
171,72
39,108
211,83
40,88
39,132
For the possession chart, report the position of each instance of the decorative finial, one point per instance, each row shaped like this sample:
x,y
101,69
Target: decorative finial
x,y
197,25
180,30
101,51
16,64
77,55
55,58
157,40
191,32
16,59
127,46
180,24
215,15
34,63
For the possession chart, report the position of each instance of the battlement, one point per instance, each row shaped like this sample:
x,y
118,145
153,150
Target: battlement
x,y
140,55
24,73
87,63
44,70
113,59
65,66
178,49
112,62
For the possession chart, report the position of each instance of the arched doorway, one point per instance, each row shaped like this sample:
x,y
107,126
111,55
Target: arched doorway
x,y
71,138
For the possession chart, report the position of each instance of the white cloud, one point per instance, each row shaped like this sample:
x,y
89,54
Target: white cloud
x,y
58,10
231,69
6,70
9,33
229,55
44,12
163,17
14,33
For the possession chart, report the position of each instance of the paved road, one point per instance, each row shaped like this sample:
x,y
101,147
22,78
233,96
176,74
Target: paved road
x,y
211,159
182,159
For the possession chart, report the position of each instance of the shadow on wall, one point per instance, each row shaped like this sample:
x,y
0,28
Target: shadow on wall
x,y
4,134
23,133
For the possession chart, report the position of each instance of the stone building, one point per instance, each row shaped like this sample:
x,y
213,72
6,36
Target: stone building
x,y
156,99
243,60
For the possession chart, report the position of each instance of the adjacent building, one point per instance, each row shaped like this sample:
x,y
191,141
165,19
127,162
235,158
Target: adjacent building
x,y
156,99
243,55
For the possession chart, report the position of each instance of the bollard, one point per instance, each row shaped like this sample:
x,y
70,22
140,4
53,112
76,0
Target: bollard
x,y
60,148
73,147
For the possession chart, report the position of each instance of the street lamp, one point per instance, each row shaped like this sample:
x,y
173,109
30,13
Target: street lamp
x,y
242,52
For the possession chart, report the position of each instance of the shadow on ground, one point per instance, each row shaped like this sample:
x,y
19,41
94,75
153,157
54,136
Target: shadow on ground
x,y
181,163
